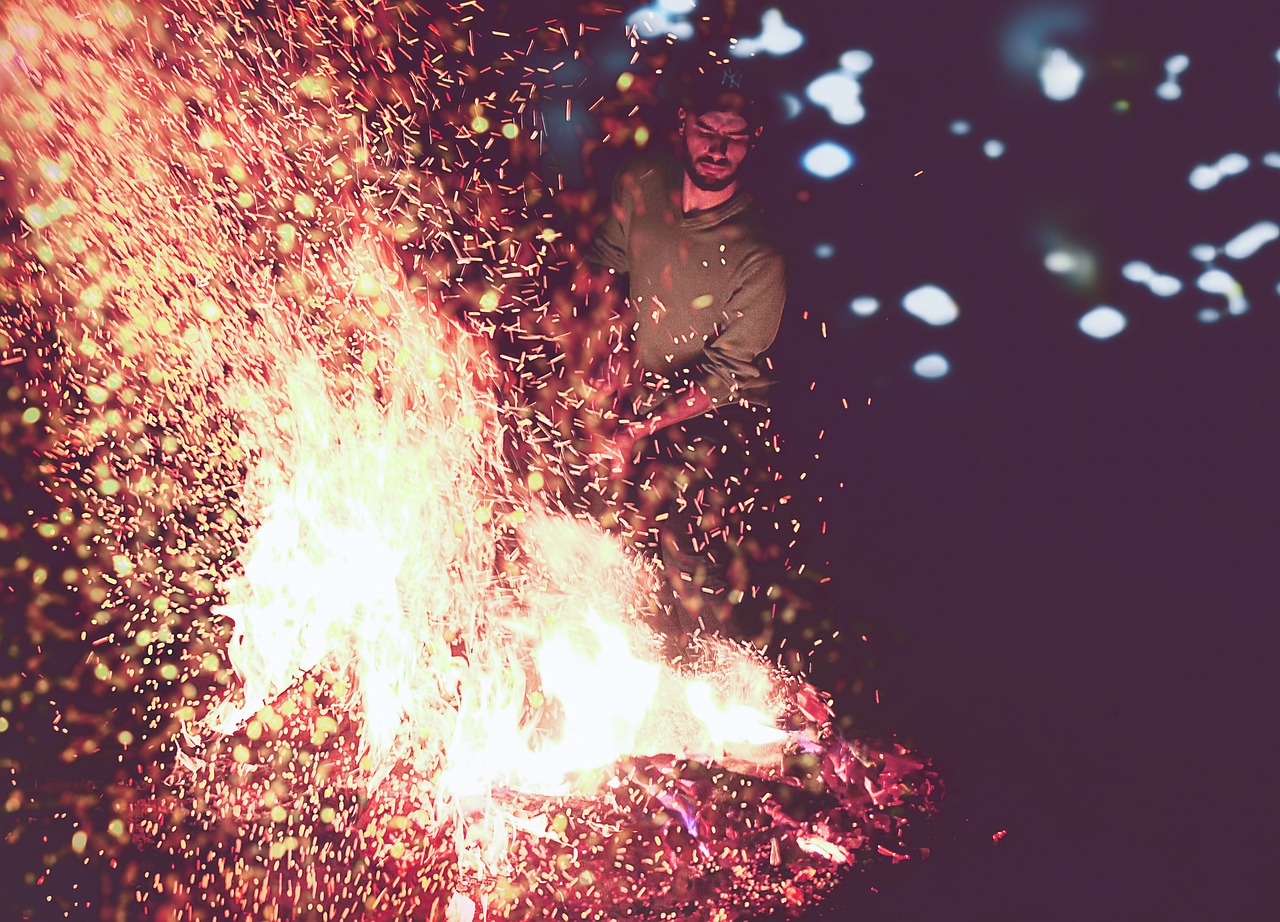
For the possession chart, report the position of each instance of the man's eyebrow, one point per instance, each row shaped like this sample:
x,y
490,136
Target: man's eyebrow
x,y
708,127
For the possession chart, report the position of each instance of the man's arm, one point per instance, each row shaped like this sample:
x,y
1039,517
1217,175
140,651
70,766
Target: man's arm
x,y
730,371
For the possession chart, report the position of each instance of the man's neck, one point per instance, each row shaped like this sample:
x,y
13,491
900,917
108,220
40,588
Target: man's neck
x,y
694,199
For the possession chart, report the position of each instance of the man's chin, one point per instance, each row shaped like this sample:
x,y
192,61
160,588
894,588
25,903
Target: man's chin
x,y
714,183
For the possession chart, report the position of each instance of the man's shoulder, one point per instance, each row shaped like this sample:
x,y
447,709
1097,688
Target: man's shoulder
x,y
648,170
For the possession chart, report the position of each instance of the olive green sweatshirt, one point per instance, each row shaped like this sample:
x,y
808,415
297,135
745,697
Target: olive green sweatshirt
x,y
706,287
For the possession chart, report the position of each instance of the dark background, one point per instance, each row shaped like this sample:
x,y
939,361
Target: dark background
x,y
1063,543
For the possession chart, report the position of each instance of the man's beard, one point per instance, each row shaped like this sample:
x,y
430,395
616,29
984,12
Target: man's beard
x,y
706,183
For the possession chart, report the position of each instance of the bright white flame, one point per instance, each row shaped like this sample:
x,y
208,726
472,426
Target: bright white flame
x,y
932,305
1249,241
993,148
864,305
827,160
1060,74
933,365
839,91
776,37
1103,322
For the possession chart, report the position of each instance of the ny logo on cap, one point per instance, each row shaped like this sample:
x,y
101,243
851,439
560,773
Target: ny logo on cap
x,y
731,79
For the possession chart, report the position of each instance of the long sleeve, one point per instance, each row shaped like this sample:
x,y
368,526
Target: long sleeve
x,y
753,315
609,246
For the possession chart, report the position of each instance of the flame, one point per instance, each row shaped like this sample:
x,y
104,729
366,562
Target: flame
x,y
319,451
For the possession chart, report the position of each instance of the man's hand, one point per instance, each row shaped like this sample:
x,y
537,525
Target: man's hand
x,y
618,451
612,376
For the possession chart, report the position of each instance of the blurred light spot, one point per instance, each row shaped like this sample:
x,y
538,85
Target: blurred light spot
x,y
1272,160
1206,177
933,365
839,91
1031,31
824,250
960,126
1231,164
1208,315
1138,272
864,305
1103,322
1061,262
776,37
1060,74
931,304
1218,282
1172,68
827,159
1163,285
664,17
791,105
1204,252
993,148
1248,242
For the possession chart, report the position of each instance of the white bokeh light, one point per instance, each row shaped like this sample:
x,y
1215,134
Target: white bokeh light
x,y
1061,262
1218,282
1142,274
1103,322
824,250
664,17
827,160
839,91
1249,241
1060,74
933,365
776,37
864,305
1138,272
1172,68
960,126
1205,177
993,148
1203,252
1272,159
932,305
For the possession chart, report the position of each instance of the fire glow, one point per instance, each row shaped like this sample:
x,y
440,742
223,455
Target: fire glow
x,y
395,643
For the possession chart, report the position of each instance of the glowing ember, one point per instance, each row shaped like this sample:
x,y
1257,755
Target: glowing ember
x,y
409,682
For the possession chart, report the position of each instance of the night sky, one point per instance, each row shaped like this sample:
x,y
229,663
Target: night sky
x,y
1057,548
1062,542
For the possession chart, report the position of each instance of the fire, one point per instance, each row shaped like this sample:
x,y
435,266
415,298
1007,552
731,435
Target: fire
x,y
318,456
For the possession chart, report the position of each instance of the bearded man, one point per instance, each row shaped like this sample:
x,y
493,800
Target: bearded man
x,y
706,291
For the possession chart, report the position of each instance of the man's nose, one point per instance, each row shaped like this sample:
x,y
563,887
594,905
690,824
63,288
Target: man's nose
x,y
719,145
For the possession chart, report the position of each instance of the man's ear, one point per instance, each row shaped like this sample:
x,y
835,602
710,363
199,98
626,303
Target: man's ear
x,y
755,135
681,115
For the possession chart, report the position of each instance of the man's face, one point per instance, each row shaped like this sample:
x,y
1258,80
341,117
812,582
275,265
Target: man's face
x,y
715,144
